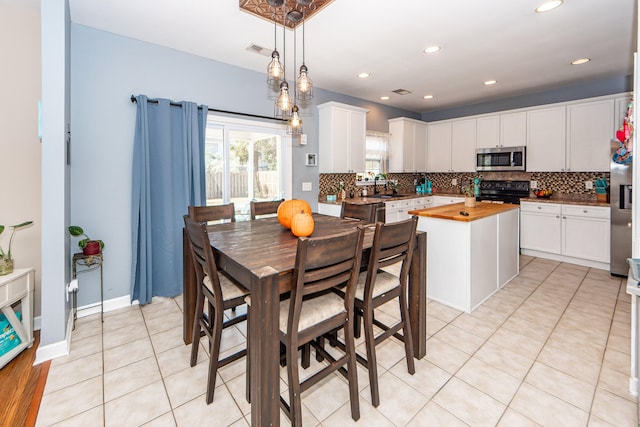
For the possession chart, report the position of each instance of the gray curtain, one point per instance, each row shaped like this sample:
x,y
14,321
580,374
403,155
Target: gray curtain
x,y
168,175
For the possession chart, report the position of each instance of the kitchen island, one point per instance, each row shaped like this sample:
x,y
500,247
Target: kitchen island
x,y
471,252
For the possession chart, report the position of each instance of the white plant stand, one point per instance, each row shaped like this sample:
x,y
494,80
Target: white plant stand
x,y
14,287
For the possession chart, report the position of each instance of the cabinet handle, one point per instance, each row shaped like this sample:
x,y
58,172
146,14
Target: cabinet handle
x,y
557,216
539,207
585,211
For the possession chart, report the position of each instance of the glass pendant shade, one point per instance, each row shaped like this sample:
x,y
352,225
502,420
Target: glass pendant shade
x,y
304,84
295,122
283,103
275,72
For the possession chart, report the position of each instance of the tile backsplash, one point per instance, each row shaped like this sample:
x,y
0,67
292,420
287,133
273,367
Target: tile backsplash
x,y
566,184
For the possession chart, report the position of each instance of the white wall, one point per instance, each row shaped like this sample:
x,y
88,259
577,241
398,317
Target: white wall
x,y
20,146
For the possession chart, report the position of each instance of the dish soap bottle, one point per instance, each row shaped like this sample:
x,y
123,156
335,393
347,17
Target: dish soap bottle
x,y
342,193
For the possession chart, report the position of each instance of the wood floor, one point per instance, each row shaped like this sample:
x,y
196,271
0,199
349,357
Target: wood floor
x,y
21,388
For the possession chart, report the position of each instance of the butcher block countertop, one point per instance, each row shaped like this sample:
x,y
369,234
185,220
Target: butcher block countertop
x,y
452,212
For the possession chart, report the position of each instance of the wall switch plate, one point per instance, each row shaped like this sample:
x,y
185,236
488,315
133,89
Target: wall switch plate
x,y
306,186
533,184
303,139
454,181
588,185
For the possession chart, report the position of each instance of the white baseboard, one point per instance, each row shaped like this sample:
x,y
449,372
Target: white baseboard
x,y
57,349
109,305
570,260
62,348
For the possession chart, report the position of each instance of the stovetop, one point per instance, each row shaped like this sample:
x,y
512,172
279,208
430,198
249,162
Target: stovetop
x,y
504,191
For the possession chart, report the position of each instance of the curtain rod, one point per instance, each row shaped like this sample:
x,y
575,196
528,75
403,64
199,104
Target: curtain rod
x,y
175,104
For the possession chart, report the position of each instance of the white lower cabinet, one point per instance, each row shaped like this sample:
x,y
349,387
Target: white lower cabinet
x,y
585,232
573,233
446,200
329,209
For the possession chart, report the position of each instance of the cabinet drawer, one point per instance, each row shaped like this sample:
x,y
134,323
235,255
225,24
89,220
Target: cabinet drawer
x,y
549,208
588,211
391,206
406,204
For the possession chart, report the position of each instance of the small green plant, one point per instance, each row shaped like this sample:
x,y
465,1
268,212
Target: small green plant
x,y
469,189
7,254
77,231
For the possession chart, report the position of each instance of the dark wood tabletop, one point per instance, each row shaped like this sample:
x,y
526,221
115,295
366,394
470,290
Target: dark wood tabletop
x,y
260,255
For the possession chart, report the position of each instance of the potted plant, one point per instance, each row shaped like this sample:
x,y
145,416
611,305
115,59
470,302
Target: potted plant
x,y
6,262
88,245
469,195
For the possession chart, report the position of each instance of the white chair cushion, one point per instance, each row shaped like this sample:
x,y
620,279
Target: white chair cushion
x,y
314,311
384,282
229,289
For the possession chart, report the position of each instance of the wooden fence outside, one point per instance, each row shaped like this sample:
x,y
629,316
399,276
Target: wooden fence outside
x,y
265,184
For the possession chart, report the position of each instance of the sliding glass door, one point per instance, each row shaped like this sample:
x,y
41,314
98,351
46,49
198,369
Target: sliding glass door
x,y
246,160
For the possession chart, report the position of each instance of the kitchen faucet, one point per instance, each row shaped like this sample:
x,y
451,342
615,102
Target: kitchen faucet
x,y
375,185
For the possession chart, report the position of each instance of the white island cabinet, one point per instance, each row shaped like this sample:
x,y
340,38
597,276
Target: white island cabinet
x,y
469,257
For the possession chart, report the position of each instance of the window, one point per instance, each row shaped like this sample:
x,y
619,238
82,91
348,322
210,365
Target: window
x,y
377,147
246,160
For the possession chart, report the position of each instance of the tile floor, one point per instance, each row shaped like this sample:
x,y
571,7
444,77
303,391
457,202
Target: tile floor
x,y
552,348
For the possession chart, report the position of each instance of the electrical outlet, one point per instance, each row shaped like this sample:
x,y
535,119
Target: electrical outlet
x,y
454,181
588,185
533,184
306,186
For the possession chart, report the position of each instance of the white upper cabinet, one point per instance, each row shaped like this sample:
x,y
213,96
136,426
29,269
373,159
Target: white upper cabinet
x,y
488,132
463,145
342,130
513,129
439,147
407,145
590,130
546,135
451,146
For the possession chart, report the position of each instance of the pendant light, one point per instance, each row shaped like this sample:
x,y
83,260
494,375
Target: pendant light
x,y
304,83
294,125
282,108
275,71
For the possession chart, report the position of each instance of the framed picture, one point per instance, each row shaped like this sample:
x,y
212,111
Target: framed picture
x,y
311,159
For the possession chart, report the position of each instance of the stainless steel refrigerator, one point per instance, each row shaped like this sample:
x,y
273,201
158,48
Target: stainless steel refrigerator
x,y
620,200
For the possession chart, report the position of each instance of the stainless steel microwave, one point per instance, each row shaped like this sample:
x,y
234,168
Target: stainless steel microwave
x,y
501,159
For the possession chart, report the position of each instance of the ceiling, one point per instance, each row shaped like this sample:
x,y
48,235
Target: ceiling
x,y
503,40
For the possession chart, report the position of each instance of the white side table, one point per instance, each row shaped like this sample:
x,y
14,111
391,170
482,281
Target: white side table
x,y
14,287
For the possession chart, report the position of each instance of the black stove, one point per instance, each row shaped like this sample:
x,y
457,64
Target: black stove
x,y
504,191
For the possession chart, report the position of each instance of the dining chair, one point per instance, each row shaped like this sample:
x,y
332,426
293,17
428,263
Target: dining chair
x,y
366,213
215,213
392,248
220,294
264,208
310,312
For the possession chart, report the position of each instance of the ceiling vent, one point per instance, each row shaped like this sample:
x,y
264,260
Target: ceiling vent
x,y
401,91
260,50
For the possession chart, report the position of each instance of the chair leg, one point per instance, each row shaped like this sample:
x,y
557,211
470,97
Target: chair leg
x,y
195,333
406,333
357,324
372,363
295,403
248,360
306,355
214,354
352,373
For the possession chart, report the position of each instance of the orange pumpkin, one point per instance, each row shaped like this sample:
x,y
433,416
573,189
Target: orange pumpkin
x,y
289,208
302,224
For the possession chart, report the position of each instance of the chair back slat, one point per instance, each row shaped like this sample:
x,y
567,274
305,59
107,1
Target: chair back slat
x,y
264,208
202,256
366,213
216,213
392,243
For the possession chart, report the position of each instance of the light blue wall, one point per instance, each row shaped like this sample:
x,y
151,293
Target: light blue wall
x,y
55,309
106,70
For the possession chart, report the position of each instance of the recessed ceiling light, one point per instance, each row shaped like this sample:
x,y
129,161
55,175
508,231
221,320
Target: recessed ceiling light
x,y
580,61
490,82
549,5
384,98
432,49
363,75
428,97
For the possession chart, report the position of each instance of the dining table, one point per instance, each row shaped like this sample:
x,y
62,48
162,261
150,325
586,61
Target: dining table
x,y
260,255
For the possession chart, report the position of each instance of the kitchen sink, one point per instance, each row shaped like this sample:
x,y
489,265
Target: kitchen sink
x,y
387,196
